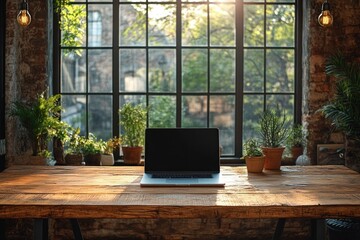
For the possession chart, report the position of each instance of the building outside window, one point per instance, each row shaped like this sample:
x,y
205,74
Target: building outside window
x,y
216,63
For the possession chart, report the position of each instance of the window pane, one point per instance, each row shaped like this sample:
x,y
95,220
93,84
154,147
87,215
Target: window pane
x,y
222,116
74,111
100,70
253,70
280,25
162,112
162,24
222,25
254,25
194,70
253,0
100,116
99,0
194,111
222,70
134,99
73,72
280,70
132,0
221,0
282,1
194,25
132,25
283,102
253,109
132,65
73,25
162,70
100,25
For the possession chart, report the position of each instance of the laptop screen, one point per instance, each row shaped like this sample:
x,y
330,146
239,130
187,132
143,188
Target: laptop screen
x,y
182,149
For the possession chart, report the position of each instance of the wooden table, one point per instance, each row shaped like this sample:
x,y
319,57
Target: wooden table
x,y
43,192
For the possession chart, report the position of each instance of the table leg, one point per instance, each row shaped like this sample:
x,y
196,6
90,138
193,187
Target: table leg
x,y
41,229
2,229
76,229
279,229
318,229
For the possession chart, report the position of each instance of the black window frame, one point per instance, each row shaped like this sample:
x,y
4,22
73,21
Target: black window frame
x,y
239,49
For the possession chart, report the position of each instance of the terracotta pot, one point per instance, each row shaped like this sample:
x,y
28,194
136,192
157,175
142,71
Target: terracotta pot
x,y
93,159
255,164
74,159
296,152
132,155
273,157
107,159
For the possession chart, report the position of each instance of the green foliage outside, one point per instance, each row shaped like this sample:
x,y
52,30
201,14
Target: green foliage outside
x,y
72,24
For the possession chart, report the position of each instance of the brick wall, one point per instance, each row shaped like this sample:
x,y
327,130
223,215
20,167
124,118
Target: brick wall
x,y
319,44
25,67
27,57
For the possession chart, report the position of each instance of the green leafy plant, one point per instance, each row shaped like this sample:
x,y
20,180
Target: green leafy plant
x,y
252,148
92,145
296,136
75,143
273,128
40,118
133,122
112,144
344,109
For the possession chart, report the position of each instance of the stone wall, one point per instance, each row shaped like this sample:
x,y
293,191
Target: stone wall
x,y
27,56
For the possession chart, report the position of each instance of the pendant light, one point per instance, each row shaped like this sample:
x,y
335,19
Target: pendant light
x,y
325,18
24,17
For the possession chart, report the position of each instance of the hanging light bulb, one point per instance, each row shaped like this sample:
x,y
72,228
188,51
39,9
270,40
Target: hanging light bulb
x,y
325,18
24,17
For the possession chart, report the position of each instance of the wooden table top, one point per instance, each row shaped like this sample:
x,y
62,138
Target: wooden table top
x,y
114,192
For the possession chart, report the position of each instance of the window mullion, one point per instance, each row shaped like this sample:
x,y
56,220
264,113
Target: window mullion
x,y
178,63
115,71
239,86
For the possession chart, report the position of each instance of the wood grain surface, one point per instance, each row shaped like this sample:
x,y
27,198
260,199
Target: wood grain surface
x,y
114,192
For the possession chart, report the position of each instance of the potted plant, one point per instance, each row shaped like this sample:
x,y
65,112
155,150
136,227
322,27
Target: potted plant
x,y
133,123
74,148
254,157
107,158
92,149
295,141
40,118
273,132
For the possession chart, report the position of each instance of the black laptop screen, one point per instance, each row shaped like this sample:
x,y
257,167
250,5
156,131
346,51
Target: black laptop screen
x,y
182,149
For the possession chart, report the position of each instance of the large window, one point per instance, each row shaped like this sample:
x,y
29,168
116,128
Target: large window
x,y
215,63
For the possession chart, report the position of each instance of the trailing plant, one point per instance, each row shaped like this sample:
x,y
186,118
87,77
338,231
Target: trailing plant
x,y
344,109
133,122
273,128
40,118
252,148
296,136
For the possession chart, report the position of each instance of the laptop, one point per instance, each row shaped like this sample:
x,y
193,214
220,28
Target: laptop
x,y
182,157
